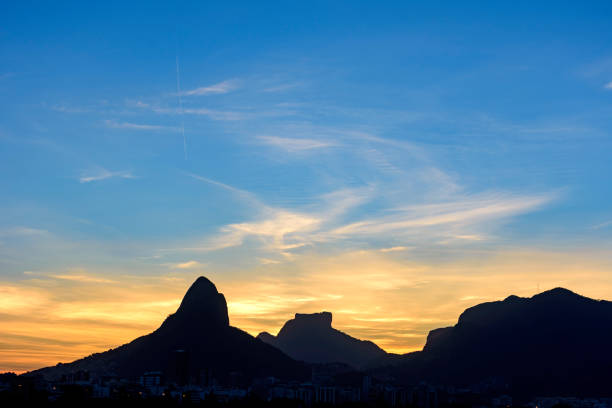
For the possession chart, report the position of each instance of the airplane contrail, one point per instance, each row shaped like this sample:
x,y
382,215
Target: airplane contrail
x,y
180,102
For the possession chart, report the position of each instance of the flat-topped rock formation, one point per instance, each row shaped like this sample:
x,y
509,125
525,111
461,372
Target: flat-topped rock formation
x,y
311,338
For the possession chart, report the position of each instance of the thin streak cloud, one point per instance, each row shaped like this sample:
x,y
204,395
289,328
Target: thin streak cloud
x,y
242,194
210,113
187,265
294,144
103,174
395,249
139,126
215,89
602,225
453,213
81,278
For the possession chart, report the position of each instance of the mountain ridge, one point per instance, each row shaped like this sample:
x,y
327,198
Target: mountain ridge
x,y
311,338
200,327
555,342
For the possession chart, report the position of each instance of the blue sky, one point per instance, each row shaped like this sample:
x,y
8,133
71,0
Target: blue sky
x,y
251,142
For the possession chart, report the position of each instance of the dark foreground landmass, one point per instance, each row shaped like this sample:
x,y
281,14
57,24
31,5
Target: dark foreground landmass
x,y
553,348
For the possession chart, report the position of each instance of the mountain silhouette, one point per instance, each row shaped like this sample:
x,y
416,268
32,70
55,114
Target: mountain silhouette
x,y
196,338
554,343
311,338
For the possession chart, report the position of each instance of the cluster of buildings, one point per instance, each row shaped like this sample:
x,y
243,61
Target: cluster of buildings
x,y
313,393
320,390
551,402
329,386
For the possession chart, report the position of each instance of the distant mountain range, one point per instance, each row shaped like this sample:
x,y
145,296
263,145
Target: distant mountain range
x,y
554,343
311,338
195,339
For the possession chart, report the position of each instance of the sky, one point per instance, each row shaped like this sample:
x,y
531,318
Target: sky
x,y
390,162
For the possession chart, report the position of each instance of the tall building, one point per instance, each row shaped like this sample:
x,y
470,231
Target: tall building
x,y
179,367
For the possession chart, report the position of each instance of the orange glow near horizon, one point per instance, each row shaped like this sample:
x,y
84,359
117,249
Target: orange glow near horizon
x,y
49,319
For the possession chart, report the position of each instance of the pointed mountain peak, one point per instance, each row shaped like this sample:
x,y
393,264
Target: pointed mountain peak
x,y
200,328
204,304
202,285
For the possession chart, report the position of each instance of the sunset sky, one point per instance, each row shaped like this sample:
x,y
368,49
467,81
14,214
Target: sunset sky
x,y
391,163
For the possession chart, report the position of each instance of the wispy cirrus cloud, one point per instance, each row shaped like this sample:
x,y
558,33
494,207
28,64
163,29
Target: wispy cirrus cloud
x,y
23,231
70,109
243,195
395,249
213,114
187,265
139,126
278,230
76,275
281,229
601,225
398,197
608,85
472,298
335,219
295,144
218,115
215,89
464,212
282,87
81,278
103,174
